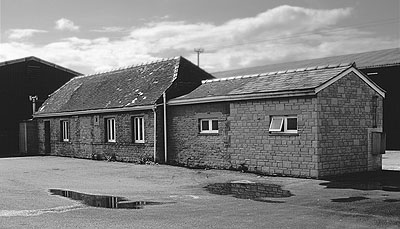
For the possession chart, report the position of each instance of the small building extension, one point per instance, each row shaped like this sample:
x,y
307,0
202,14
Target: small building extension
x,y
309,122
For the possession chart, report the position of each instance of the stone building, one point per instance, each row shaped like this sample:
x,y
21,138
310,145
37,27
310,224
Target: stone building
x,y
381,66
117,114
308,122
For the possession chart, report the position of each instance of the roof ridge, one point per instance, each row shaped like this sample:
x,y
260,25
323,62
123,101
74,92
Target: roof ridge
x,y
327,66
37,59
129,66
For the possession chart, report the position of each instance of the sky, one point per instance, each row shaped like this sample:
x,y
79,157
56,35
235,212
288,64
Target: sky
x,y
91,36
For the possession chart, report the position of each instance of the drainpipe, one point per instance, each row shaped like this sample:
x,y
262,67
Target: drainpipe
x,y
165,127
155,133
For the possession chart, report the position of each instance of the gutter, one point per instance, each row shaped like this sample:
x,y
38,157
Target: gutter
x,y
225,98
97,111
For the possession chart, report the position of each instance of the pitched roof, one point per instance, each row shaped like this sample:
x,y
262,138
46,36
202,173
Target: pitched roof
x,y
304,81
135,86
33,58
386,57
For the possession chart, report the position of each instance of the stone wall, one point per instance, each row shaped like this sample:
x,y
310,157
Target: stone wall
x,y
88,138
244,141
187,146
253,146
345,118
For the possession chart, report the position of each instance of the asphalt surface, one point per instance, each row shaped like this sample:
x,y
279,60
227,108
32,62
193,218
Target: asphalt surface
x,y
187,203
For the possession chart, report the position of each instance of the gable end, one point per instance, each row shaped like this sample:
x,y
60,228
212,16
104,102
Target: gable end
x,y
371,84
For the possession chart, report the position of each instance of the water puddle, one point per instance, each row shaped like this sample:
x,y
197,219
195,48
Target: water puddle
x,y
391,200
249,190
349,199
102,201
383,180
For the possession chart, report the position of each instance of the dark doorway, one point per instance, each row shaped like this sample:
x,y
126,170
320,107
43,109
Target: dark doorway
x,y
47,146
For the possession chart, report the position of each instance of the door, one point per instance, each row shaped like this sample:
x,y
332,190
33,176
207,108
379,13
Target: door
x,y
47,146
23,139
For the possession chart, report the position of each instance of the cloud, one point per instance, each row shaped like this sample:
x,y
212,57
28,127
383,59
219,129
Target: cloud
x,y
111,29
16,34
66,24
284,33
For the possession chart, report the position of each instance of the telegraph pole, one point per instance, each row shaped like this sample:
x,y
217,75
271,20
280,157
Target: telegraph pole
x,y
198,50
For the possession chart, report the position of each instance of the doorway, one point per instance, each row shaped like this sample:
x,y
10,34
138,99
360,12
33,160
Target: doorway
x,y
47,145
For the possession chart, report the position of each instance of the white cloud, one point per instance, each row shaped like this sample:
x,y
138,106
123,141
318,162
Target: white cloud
x,y
284,33
110,29
66,24
16,34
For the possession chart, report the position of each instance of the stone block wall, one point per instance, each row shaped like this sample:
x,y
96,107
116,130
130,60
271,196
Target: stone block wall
x,y
244,141
87,138
345,118
187,146
253,146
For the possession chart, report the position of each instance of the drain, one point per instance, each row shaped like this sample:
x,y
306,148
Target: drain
x,y
102,201
248,190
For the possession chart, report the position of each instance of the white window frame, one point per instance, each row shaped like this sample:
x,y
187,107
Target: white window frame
x,y
65,130
110,130
282,124
138,127
209,130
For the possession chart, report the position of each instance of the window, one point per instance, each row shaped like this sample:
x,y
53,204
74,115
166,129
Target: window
x,y
138,129
209,126
283,124
110,129
64,131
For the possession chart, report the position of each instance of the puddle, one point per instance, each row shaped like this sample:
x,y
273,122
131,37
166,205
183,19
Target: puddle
x,y
102,201
391,200
249,190
382,180
349,199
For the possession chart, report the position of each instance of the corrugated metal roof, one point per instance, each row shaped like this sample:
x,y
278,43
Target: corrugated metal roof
x,y
139,85
33,58
290,80
362,60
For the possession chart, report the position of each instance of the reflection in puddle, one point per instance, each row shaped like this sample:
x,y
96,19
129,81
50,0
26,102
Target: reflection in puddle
x,y
350,199
102,200
254,191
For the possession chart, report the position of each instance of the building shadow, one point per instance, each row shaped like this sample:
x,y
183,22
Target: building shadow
x,y
386,180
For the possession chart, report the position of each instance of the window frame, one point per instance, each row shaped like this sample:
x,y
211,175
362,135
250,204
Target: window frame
x,y
210,127
65,131
283,124
135,129
110,124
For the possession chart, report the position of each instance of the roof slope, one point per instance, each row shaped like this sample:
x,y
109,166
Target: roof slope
x,y
139,85
363,60
266,83
33,58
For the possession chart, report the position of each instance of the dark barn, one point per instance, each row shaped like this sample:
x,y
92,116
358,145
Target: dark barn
x,y
22,79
